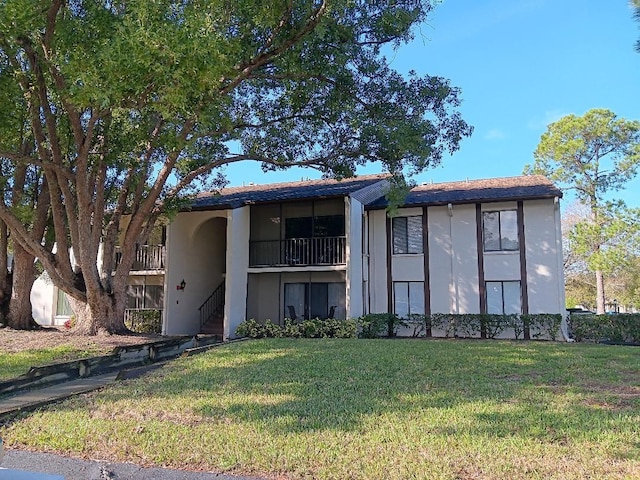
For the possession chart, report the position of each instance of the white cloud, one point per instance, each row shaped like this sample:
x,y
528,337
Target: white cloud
x,y
540,122
495,134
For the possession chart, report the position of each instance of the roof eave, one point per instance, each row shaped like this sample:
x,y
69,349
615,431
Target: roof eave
x,y
463,202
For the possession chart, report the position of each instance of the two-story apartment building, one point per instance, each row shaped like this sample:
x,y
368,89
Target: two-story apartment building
x,y
328,248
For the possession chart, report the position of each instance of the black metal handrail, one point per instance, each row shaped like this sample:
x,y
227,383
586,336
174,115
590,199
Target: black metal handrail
x,y
298,251
213,305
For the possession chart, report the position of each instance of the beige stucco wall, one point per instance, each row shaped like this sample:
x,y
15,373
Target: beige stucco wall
x,y
441,269
453,259
195,254
377,261
465,293
43,297
354,274
545,277
263,297
235,307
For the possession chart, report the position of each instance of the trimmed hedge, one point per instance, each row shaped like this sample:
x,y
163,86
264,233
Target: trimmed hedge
x,y
145,321
544,325
375,325
315,328
616,328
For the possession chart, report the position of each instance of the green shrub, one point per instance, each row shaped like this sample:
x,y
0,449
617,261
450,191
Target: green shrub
x,y
618,328
374,325
254,329
544,325
144,321
419,324
494,324
291,329
344,328
315,328
443,321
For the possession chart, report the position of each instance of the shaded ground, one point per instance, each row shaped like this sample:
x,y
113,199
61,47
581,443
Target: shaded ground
x,y
19,340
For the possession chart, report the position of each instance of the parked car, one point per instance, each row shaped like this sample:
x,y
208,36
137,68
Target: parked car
x,y
580,311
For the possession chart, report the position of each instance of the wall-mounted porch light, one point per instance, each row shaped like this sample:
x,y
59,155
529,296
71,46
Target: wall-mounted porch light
x,y
181,285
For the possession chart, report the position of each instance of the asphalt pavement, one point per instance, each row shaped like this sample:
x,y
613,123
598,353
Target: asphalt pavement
x,y
78,469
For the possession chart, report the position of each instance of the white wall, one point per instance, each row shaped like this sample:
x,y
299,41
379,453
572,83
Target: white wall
x,y
377,261
195,254
354,219
235,308
43,301
441,268
466,292
453,259
545,278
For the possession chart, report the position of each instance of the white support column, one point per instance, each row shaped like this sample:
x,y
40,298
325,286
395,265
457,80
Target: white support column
x,y
235,305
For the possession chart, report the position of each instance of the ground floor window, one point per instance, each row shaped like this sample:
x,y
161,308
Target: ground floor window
x,y
408,298
503,297
145,296
63,308
314,300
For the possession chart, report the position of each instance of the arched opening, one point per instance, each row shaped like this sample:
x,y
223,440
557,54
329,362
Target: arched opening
x,y
210,241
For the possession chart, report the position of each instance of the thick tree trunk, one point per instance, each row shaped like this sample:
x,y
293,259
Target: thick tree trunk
x,y
600,300
5,276
103,312
24,274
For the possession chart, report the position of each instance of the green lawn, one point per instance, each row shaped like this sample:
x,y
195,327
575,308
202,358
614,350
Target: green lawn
x,y
368,409
17,363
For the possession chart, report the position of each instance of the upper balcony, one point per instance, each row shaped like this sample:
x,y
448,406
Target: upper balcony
x,y
298,234
148,258
298,252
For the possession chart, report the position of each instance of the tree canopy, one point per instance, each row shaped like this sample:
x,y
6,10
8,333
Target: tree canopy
x,y
134,104
595,155
635,5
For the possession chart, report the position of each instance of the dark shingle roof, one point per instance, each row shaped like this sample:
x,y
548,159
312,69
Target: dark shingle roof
x,y
235,197
488,190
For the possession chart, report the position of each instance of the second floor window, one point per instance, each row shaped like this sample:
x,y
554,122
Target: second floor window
x,y
407,234
500,231
311,227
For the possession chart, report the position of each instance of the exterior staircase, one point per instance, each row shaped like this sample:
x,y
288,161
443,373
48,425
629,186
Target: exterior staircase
x,y
212,313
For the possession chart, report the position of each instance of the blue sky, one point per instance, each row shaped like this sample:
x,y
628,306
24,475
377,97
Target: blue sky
x,y
521,64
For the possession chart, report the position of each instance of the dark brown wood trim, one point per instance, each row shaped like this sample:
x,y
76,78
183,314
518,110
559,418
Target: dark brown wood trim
x,y
482,288
524,287
281,297
425,254
389,265
523,259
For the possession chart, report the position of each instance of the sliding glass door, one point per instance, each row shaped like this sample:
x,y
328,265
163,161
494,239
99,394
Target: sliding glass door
x,y
314,300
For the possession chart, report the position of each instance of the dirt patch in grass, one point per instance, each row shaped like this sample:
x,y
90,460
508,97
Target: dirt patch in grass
x,y
18,340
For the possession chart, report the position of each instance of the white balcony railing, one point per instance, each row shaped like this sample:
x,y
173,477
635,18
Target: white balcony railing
x,y
148,257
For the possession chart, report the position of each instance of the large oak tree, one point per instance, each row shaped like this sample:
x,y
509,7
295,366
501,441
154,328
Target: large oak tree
x,y
134,104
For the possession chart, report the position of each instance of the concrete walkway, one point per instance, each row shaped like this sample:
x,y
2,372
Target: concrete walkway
x,y
77,469
31,399
35,398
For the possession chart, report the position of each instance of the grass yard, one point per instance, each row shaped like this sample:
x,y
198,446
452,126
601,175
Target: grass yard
x,y
366,409
14,364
